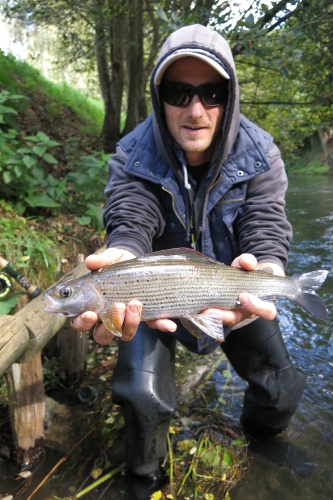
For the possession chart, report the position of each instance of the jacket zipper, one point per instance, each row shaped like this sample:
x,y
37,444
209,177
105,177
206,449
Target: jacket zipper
x,y
193,240
216,182
221,202
173,207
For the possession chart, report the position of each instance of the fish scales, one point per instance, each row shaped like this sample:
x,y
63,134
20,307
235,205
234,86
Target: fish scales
x,y
179,283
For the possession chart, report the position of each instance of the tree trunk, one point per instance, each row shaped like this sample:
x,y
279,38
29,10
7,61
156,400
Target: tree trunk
x,y
156,37
141,100
110,65
326,135
117,61
204,8
136,95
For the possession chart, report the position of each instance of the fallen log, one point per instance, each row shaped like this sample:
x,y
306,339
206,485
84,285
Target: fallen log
x,y
14,340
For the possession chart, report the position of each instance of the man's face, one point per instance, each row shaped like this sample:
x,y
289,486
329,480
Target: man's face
x,y
196,126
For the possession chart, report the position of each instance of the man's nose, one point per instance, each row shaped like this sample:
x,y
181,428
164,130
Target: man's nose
x,y
195,109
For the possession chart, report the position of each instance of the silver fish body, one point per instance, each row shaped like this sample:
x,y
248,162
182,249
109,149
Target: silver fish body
x,y
178,283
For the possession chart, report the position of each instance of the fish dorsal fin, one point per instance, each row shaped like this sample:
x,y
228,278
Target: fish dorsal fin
x,y
179,255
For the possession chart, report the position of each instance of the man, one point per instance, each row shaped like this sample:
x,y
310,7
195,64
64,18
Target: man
x,y
196,173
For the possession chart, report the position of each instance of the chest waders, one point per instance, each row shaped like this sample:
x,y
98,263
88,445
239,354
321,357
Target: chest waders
x,y
259,356
143,383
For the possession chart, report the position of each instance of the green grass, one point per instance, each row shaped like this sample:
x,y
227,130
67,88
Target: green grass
x,y
308,162
26,249
314,168
19,77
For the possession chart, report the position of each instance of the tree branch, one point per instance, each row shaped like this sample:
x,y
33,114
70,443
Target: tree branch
x,y
272,13
80,13
266,19
280,21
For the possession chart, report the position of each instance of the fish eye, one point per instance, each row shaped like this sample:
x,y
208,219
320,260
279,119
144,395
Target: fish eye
x,y
65,292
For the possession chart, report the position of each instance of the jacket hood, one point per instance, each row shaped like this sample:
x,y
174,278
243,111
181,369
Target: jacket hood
x,y
206,43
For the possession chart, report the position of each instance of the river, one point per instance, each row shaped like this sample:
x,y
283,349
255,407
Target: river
x,y
299,464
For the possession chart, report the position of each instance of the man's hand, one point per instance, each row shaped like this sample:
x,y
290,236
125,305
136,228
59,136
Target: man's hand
x,y
252,306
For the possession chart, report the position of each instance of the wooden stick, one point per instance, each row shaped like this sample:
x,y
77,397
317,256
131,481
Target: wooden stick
x,y
62,460
99,481
25,387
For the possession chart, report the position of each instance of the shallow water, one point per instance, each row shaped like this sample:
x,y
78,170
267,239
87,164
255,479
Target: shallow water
x,y
301,464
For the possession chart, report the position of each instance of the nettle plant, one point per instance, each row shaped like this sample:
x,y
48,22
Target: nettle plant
x,y
25,172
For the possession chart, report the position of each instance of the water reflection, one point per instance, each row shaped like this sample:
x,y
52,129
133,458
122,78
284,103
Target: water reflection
x,y
310,344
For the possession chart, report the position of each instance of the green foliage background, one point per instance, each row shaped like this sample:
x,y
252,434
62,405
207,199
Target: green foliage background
x,y
52,174
283,52
52,163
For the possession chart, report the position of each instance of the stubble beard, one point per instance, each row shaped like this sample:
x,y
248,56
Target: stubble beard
x,y
195,145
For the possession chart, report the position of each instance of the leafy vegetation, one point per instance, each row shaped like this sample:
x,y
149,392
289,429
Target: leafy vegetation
x,y
52,176
53,169
282,93
27,166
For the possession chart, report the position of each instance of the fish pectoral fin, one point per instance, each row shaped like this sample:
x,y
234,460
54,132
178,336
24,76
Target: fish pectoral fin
x,y
111,320
211,325
191,327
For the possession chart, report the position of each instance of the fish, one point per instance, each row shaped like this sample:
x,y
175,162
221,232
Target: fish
x,y
178,283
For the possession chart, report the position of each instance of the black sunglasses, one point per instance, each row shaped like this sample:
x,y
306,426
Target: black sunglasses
x,y
181,94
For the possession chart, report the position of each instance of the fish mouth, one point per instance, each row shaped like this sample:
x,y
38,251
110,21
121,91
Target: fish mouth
x,y
53,307
55,312
56,307
50,302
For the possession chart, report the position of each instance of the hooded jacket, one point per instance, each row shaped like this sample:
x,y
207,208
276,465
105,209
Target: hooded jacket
x,y
239,204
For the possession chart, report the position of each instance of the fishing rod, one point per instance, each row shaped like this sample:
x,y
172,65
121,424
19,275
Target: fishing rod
x,y
5,283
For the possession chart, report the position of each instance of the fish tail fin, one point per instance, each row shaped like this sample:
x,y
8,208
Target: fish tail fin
x,y
307,298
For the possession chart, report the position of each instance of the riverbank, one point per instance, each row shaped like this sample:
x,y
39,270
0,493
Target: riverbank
x,y
207,452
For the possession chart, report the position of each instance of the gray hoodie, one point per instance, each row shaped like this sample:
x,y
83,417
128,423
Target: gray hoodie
x,y
239,204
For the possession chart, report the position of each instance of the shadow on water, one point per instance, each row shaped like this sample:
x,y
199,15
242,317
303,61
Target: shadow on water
x,y
300,465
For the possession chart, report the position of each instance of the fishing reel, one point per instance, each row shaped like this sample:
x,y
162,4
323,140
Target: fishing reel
x,y
5,285
8,272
